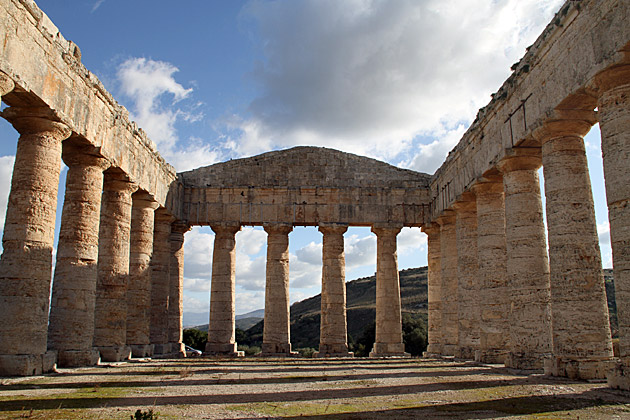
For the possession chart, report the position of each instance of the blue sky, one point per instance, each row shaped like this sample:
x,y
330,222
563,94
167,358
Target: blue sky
x,y
398,80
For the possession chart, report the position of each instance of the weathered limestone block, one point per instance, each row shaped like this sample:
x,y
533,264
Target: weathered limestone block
x,y
448,276
613,106
160,281
333,339
527,263
468,297
139,288
176,289
493,286
110,316
434,347
71,327
26,263
221,330
582,345
277,329
389,340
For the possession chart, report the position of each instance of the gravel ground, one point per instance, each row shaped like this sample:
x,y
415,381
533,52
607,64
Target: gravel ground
x,y
311,388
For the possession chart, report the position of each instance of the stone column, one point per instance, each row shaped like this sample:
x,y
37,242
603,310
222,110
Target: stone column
x,y
71,328
468,297
582,345
221,330
176,289
27,242
389,340
613,106
277,329
492,272
110,316
434,347
160,281
333,335
448,275
139,288
527,263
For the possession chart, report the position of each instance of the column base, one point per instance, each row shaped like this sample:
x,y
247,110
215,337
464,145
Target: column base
x,y
619,376
583,369
223,350
526,362
333,350
490,356
177,350
449,349
78,358
435,349
467,353
141,350
115,353
27,364
389,350
277,350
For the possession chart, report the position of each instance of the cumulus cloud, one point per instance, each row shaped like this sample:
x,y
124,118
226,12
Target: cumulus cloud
x,y
360,251
198,247
410,240
369,76
6,169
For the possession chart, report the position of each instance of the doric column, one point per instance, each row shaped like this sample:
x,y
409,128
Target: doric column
x,y
333,335
110,314
434,290
613,104
139,287
582,345
492,273
71,328
527,263
448,276
467,278
221,330
160,281
277,329
176,289
389,340
27,242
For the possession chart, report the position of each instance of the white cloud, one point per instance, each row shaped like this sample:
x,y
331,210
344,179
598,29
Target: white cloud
x,y
429,157
369,76
198,246
360,251
304,274
6,169
311,253
250,241
97,4
195,305
249,301
411,240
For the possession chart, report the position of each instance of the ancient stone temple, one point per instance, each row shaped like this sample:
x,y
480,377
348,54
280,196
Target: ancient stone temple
x,y
497,293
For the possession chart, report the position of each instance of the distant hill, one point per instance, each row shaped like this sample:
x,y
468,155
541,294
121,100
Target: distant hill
x,y
258,313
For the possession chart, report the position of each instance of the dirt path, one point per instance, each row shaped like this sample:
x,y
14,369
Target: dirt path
x,y
339,389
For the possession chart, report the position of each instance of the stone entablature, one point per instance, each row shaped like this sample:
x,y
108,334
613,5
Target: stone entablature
x,y
304,186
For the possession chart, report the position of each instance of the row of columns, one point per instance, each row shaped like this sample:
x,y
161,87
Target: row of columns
x,y
277,333
109,272
540,309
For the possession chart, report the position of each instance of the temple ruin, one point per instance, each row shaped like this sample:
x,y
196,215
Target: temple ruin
x,y
497,294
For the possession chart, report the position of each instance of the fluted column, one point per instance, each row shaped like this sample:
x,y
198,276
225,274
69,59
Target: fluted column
x,y
139,287
448,275
492,273
110,316
527,263
468,298
160,281
434,347
582,345
333,336
389,340
176,289
29,230
71,328
613,106
277,329
221,330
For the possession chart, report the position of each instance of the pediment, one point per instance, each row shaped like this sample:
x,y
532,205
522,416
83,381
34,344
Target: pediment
x,y
305,167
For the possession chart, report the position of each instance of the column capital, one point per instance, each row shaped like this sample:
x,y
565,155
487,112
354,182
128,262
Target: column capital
x,y
119,184
143,199
520,159
79,155
612,78
446,218
164,216
386,229
36,120
487,187
432,229
332,228
225,229
180,227
6,84
466,203
278,229
566,123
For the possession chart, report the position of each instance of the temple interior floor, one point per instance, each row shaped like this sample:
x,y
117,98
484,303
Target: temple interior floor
x,y
199,388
